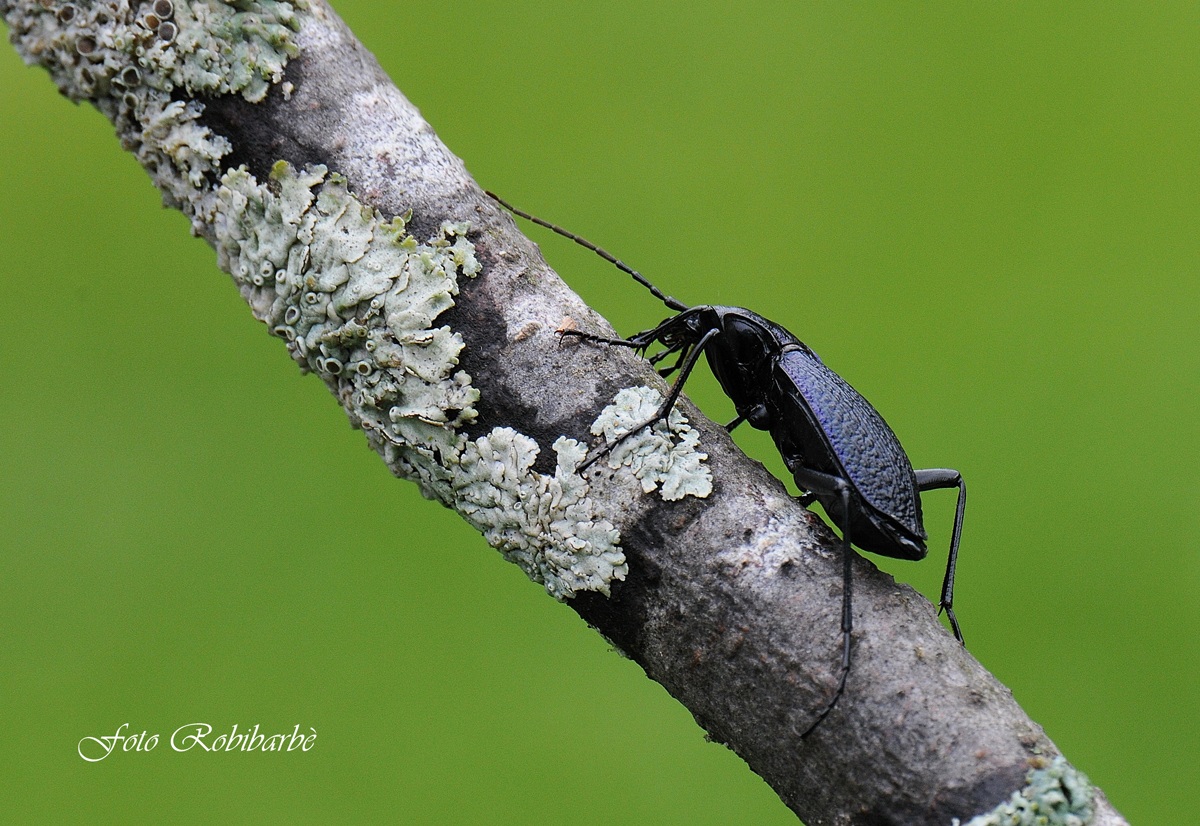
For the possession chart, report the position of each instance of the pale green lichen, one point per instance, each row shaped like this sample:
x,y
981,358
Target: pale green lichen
x,y
356,298
353,294
345,286
228,46
129,57
1056,794
202,46
545,524
653,456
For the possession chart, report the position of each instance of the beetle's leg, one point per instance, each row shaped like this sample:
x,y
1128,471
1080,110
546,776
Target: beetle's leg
x,y
582,336
659,356
817,482
638,341
935,479
690,355
758,416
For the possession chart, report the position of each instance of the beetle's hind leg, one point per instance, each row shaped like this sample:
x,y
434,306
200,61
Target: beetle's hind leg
x,y
935,479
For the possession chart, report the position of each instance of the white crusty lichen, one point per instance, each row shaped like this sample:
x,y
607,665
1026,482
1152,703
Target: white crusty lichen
x,y
652,455
101,48
227,46
1055,794
545,524
355,296
352,292
130,58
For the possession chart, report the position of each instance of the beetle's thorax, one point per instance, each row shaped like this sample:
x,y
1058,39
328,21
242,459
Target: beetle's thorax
x,y
741,354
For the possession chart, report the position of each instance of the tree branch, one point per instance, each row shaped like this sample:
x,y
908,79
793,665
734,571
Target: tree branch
x,y
278,134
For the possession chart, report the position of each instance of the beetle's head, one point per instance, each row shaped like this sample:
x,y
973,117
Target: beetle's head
x,y
688,327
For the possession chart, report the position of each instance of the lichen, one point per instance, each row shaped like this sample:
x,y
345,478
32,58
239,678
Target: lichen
x,y
129,58
228,46
344,286
353,294
356,298
95,49
545,524
1055,794
548,524
652,455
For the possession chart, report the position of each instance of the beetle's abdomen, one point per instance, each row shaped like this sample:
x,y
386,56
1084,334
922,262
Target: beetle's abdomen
x,y
857,443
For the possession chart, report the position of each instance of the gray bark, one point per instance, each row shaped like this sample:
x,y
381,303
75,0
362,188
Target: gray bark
x,y
731,602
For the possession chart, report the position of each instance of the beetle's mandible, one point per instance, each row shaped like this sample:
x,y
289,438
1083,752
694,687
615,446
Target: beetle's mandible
x,y
837,447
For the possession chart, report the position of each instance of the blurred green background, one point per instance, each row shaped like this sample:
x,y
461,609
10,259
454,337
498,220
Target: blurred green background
x,y
983,215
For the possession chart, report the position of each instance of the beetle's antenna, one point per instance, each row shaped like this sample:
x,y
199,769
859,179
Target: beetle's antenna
x,y
673,303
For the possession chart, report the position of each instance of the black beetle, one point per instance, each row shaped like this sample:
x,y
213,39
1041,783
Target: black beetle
x,y
838,448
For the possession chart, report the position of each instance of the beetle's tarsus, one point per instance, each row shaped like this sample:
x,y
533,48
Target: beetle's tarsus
x,y
597,454
953,622
841,689
580,335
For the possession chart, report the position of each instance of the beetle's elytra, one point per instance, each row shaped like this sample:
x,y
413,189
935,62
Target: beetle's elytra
x,y
837,447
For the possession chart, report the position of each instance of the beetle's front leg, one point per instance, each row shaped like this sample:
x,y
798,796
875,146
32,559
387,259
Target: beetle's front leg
x,y
640,341
688,359
674,348
580,335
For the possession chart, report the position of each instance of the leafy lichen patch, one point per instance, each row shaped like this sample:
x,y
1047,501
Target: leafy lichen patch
x,y
356,298
128,58
354,295
1055,794
546,524
665,455
103,48
227,46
